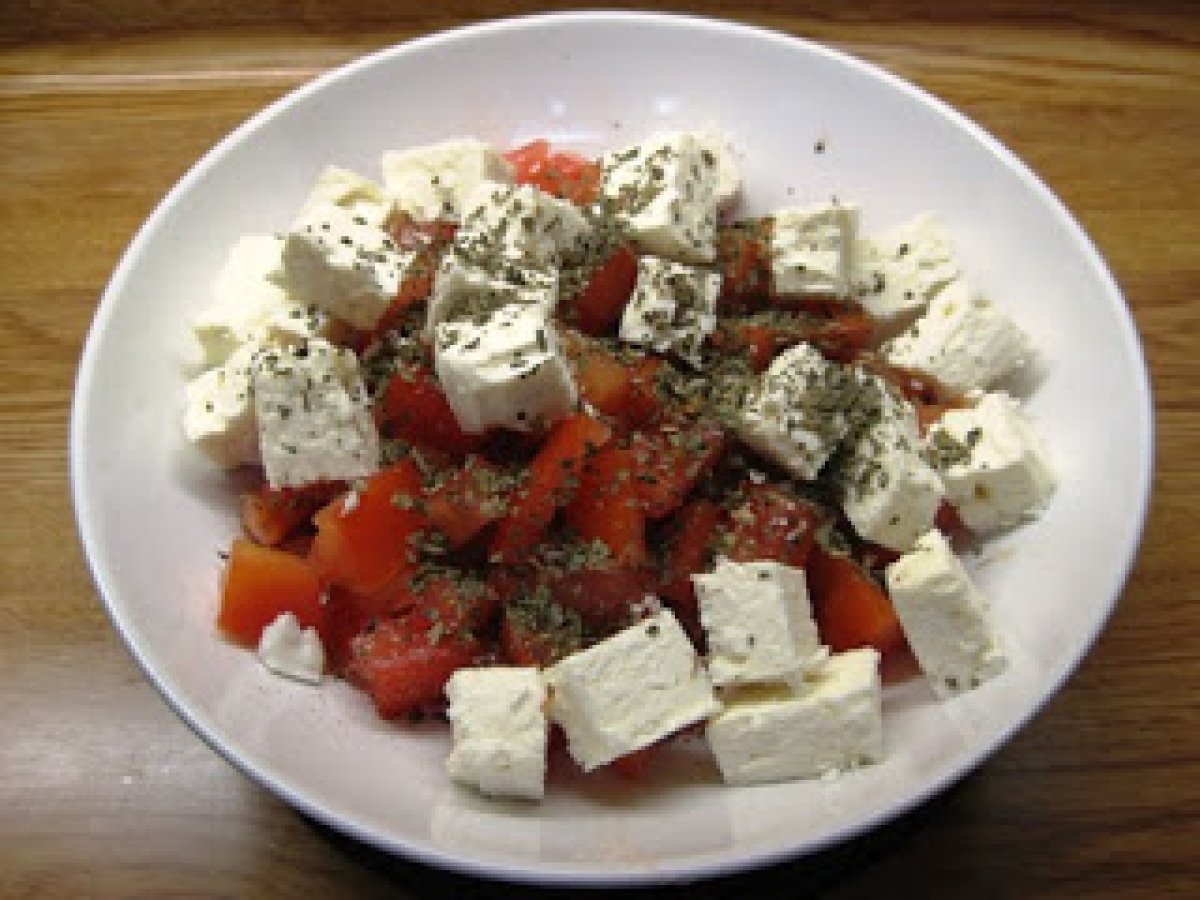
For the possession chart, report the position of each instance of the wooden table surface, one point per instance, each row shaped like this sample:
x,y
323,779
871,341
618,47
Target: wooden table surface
x,y
104,793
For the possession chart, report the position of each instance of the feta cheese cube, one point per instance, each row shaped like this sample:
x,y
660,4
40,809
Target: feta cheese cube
x,y
291,651
522,224
500,730
898,274
432,181
314,416
758,621
628,691
219,410
360,196
962,342
729,178
811,249
664,192
464,289
889,492
507,372
993,465
798,414
335,261
673,307
831,722
944,617
247,307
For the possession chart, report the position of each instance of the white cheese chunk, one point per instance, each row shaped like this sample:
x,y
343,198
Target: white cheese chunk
x,y
899,273
798,413
432,181
291,651
729,176
831,722
247,307
464,289
673,307
499,729
993,465
944,617
628,691
962,342
890,493
811,249
360,196
523,224
508,372
335,261
219,410
758,621
664,191
313,413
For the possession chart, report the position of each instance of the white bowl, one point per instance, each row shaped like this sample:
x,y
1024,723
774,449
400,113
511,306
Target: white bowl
x,y
153,516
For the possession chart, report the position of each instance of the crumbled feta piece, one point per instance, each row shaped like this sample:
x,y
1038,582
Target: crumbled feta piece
x,y
758,621
291,651
314,416
248,308
523,224
360,196
797,415
432,181
673,307
507,372
462,289
962,342
334,260
729,176
628,691
811,249
889,491
944,617
219,410
499,730
830,722
898,274
664,191
992,463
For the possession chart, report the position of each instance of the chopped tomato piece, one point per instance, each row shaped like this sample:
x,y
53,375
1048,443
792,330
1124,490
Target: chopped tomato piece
x,y
607,506
607,600
412,291
550,484
367,537
414,234
599,306
347,615
272,515
745,264
470,499
671,459
772,524
645,404
949,522
261,583
536,631
568,176
850,608
414,408
690,553
636,765
603,381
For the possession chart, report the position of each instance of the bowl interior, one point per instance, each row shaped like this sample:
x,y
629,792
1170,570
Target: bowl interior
x,y
153,516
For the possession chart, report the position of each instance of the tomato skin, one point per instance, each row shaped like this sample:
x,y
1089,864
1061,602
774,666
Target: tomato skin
x,y
567,176
270,516
366,538
259,584
671,459
599,306
552,473
772,524
607,506
850,608
413,407
690,553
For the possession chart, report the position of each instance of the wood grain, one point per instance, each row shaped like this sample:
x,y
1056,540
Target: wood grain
x,y
104,793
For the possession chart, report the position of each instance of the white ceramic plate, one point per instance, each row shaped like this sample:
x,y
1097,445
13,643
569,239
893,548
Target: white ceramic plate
x,y
153,516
